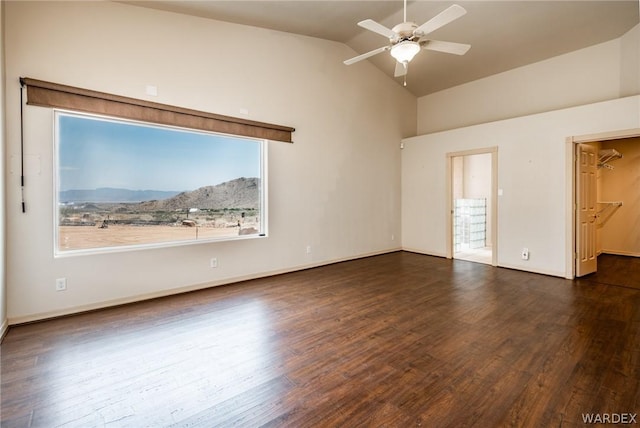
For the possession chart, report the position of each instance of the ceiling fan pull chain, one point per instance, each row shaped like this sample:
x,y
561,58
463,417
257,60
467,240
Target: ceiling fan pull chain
x,y
406,67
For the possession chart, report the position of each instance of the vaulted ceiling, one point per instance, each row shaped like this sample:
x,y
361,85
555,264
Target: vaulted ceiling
x,y
503,34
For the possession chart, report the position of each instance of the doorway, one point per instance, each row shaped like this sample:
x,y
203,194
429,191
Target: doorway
x,y
471,184
607,201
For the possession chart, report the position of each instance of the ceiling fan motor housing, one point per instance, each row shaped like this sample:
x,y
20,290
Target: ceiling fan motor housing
x,y
403,31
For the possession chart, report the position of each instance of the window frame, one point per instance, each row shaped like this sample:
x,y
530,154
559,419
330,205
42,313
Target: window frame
x,y
59,252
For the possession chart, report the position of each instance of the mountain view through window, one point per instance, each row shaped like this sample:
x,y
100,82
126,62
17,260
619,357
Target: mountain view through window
x,y
123,183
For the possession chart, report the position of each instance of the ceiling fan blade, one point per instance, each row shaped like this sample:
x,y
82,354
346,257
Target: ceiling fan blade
x,y
401,69
372,25
443,18
366,55
447,47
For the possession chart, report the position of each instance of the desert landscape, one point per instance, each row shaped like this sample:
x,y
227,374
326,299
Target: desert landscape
x,y
80,238
226,210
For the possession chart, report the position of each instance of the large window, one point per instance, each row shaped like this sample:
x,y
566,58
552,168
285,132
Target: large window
x,y
127,184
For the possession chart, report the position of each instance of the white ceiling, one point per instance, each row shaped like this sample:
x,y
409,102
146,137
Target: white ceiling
x,y
503,34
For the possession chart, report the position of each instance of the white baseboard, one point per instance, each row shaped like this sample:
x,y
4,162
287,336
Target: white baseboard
x,y
533,270
426,253
194,287
507,266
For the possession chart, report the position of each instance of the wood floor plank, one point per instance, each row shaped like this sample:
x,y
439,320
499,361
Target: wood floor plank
x,y
396,340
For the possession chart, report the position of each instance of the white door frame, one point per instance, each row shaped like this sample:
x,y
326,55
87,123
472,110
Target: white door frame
x,y
494,199
571,201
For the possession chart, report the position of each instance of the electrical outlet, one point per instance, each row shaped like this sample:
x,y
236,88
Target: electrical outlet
x,y
151,90
308,249
61,284
213,263
525,254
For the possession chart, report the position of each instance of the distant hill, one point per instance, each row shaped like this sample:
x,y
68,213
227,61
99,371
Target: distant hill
x,y
109,194
239,193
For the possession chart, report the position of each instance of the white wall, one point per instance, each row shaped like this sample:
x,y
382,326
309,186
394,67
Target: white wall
x,y
630,62
3,284
533,173
477,176
477,183
581,77
337,188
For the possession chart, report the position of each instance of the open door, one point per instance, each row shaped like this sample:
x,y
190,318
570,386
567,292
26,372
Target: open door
x,y
587,216
472,187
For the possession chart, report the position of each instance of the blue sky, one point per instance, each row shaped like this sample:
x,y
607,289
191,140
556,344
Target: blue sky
x,y
94,153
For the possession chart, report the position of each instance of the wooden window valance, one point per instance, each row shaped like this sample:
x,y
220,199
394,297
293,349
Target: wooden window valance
x,y
47,94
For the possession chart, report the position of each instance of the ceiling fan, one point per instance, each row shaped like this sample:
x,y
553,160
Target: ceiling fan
x,y
407,39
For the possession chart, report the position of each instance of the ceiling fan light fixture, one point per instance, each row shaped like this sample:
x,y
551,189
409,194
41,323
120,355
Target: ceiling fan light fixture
x,y
405,51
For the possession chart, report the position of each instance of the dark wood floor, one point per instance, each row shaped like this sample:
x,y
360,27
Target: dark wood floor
x,y
397,340
623,271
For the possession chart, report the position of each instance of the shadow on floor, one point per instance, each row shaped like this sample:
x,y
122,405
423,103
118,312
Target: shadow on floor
x,y
622,271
